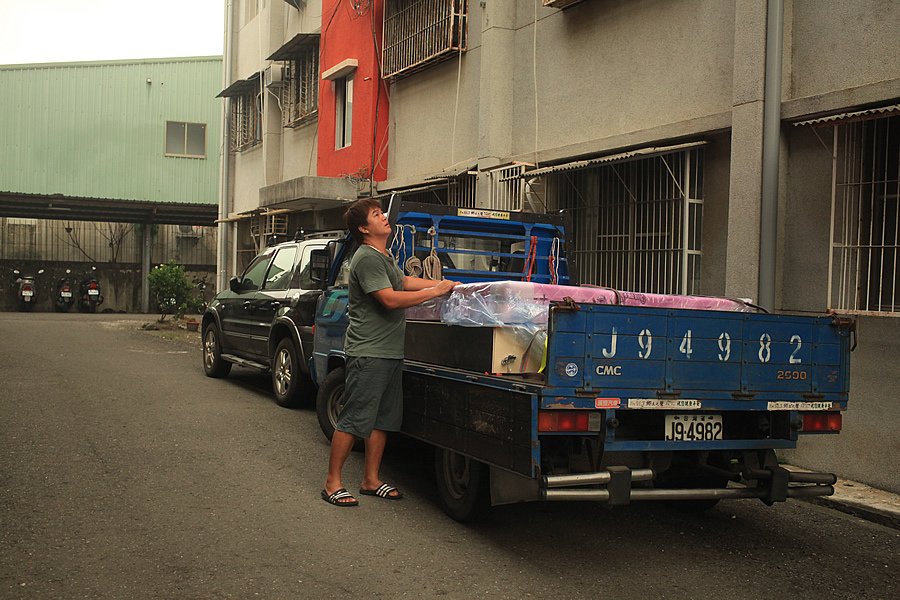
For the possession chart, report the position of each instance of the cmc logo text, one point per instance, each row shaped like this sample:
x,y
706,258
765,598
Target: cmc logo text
x,y
609,370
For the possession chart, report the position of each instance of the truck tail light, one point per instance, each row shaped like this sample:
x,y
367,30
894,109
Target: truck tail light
x,y
821,422
563,420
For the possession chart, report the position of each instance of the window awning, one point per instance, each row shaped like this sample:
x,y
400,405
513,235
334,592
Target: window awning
x,y
241,87
847,116
453,173
612,158
295,46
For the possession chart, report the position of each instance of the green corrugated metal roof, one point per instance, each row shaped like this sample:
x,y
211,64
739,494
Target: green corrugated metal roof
x,y
97,129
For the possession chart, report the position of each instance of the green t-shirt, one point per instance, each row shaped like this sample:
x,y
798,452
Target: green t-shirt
x,y
374,330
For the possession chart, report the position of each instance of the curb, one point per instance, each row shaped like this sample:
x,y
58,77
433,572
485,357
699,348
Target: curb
x,y
868,513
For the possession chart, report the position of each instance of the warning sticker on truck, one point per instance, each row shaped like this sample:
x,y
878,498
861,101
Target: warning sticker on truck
x,y
798,406
663,404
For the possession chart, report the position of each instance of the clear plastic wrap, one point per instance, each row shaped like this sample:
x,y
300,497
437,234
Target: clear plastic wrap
x,y
519,303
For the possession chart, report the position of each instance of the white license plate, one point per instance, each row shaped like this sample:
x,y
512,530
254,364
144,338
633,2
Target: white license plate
x,y
27,294
66,294
693,428
93,293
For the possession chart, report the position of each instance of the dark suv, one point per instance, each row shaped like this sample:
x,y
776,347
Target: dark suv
x,y
265,319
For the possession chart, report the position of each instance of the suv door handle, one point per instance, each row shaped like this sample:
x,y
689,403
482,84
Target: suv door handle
x,y
275,304
247,305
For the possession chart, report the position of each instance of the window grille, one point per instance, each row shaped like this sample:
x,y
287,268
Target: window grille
x,y
863,268
300,94
508,187
456,191
637,224
418,33
104,243
246,120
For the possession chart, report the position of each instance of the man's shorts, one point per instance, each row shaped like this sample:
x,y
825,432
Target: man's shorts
x,y
373,396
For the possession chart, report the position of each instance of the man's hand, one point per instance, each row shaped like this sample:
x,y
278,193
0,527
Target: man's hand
x,y
445,286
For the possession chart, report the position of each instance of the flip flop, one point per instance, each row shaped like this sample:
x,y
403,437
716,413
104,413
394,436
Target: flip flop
x,y
336,497
383,491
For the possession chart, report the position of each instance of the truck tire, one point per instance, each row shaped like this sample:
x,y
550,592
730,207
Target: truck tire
x,y
329,401
463,485
289,384
213,363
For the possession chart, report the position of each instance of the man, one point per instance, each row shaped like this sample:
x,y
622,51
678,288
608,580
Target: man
x,y
379,293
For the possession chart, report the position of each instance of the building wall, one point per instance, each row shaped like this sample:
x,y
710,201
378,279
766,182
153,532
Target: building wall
x,y
833,43
98,129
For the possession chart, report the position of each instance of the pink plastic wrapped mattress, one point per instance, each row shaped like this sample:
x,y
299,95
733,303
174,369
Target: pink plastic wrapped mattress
x,y
522,303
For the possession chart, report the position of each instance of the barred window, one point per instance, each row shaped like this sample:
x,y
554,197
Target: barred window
x,y
246,119
863,268
300,94
637,222
418,33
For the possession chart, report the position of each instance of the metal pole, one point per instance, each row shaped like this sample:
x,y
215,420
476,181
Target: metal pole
x,y
768,217
145,267
222,241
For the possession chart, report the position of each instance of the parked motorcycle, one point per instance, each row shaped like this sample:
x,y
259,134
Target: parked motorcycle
x,y
25,290
65,295
89,296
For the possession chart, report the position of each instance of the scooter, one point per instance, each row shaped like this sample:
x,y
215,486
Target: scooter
x,y
89,296
65,297
26,290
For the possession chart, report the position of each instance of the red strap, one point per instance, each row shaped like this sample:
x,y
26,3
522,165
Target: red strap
x,y
532,256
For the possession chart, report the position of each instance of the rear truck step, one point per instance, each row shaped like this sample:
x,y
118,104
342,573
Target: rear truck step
x,y
613,485
242,362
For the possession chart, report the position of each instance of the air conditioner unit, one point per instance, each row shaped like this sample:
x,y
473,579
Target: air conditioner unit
x,y
560,3
274,76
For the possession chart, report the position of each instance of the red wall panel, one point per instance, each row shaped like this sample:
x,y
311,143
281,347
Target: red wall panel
x,y
353,33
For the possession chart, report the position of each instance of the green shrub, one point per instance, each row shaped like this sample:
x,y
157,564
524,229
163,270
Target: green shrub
x,y
170,287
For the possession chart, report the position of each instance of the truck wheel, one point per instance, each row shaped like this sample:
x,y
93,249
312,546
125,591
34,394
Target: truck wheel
x,y
330,401
463,485
213,363
290,385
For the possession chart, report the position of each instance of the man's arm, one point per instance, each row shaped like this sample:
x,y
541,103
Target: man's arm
x,y
414,284
391,298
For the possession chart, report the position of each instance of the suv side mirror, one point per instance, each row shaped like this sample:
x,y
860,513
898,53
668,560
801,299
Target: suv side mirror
x,y
319,261
234,284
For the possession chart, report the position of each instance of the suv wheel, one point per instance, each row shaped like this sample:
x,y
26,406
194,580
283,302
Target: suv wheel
x,y
288,381
213,363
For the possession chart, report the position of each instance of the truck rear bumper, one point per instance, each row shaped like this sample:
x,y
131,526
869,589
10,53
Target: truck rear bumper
x,y
614,486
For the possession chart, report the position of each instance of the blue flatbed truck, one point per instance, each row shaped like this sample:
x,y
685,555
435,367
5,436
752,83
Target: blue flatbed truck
x,y
634,404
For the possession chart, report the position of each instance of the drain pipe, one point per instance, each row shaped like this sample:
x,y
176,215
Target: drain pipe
x,y
223,237
768,217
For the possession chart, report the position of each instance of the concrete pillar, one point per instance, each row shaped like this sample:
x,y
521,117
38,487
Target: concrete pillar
x,y
495,110
145,267
745,185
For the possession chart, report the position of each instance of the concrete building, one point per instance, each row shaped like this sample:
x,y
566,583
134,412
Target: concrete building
x,y
112,163
747,149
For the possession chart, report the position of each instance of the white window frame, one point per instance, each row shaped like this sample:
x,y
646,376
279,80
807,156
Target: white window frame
x,y
343,111
419,33
246,120
300,94
863,273
637,223
185,154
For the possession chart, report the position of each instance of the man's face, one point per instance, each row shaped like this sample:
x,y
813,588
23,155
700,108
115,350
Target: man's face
x,y
377,223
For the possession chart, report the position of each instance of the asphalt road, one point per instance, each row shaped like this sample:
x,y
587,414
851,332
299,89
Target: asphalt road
x,y
126,473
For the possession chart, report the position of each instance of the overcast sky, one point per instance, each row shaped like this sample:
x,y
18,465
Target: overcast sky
x,y
36,31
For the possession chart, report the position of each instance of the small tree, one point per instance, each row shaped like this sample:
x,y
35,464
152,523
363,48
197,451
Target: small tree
x,y
170,287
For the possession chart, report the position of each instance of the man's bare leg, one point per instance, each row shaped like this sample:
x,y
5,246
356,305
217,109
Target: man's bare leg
x,y
341,446
375,444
